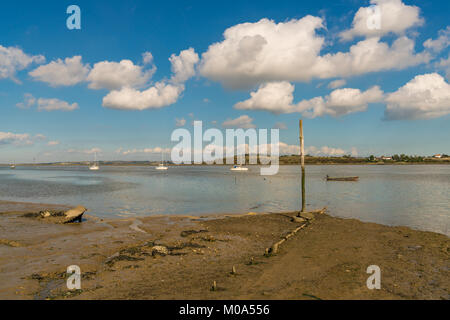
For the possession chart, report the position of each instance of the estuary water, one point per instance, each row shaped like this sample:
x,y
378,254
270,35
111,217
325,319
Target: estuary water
x,y
417,196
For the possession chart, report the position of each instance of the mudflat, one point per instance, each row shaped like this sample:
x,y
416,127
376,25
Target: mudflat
x,y
180,257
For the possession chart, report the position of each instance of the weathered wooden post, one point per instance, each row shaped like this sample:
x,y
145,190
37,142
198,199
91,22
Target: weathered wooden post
x,y
302,159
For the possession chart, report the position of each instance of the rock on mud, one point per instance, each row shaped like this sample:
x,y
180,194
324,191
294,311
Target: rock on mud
x,y
160,250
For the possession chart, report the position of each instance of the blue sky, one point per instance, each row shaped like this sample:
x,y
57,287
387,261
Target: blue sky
x,y
397,102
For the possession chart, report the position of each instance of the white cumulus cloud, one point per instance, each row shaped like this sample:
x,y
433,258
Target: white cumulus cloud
x,y
28,102
14,59
53,143
280,126
85,151
445,65
265,51
341,102
15,138
55,105
442,42
44,104
180,122
337,83
146,150
163,93
67,72
158,96
289,149
116,75
426,96
394,17
183,65
325,151
277,97
244,122
147,58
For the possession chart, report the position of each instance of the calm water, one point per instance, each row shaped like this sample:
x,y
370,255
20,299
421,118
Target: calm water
x,y
415,196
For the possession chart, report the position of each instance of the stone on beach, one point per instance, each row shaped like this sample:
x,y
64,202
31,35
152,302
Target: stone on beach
x,y
161,250
46,214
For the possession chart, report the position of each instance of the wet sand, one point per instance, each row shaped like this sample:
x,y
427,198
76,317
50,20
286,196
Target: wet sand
x,y
326,259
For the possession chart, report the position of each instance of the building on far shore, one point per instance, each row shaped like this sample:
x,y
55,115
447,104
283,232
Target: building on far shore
x,y
437,156
385,158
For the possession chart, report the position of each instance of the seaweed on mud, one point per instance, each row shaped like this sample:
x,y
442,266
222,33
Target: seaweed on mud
x,y
40,214
121,257
187,233
135,266
184,245
37,276
132,251
208,238
31,215
87,275
311,296
149,244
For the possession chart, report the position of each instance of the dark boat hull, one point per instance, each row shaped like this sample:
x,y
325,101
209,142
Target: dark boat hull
x,y
343,179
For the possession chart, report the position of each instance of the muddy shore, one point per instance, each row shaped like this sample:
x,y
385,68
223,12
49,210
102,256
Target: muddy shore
x,y
326,259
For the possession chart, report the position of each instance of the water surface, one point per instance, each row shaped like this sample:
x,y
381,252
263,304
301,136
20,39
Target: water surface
x,y
413,195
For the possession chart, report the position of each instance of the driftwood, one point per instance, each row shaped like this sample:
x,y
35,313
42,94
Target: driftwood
x,y
274,249
320,211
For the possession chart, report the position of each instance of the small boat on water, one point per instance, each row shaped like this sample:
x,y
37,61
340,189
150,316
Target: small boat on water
x,y
161,166
328,178
95,166
12,166
239,168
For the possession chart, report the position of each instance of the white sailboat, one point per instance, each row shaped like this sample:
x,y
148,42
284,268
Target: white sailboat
x,y
161,166
95,166
239,168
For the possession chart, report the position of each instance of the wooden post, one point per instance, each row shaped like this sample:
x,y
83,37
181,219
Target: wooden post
x,y
302,159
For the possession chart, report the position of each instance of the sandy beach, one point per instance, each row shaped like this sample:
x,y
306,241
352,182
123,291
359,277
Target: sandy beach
x,y
326,259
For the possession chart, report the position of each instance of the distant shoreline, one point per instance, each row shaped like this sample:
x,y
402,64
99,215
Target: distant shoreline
x,y
283,160
444,162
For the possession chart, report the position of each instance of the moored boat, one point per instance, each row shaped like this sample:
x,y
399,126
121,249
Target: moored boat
x,y
342,178
95,166
161,166
239,168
